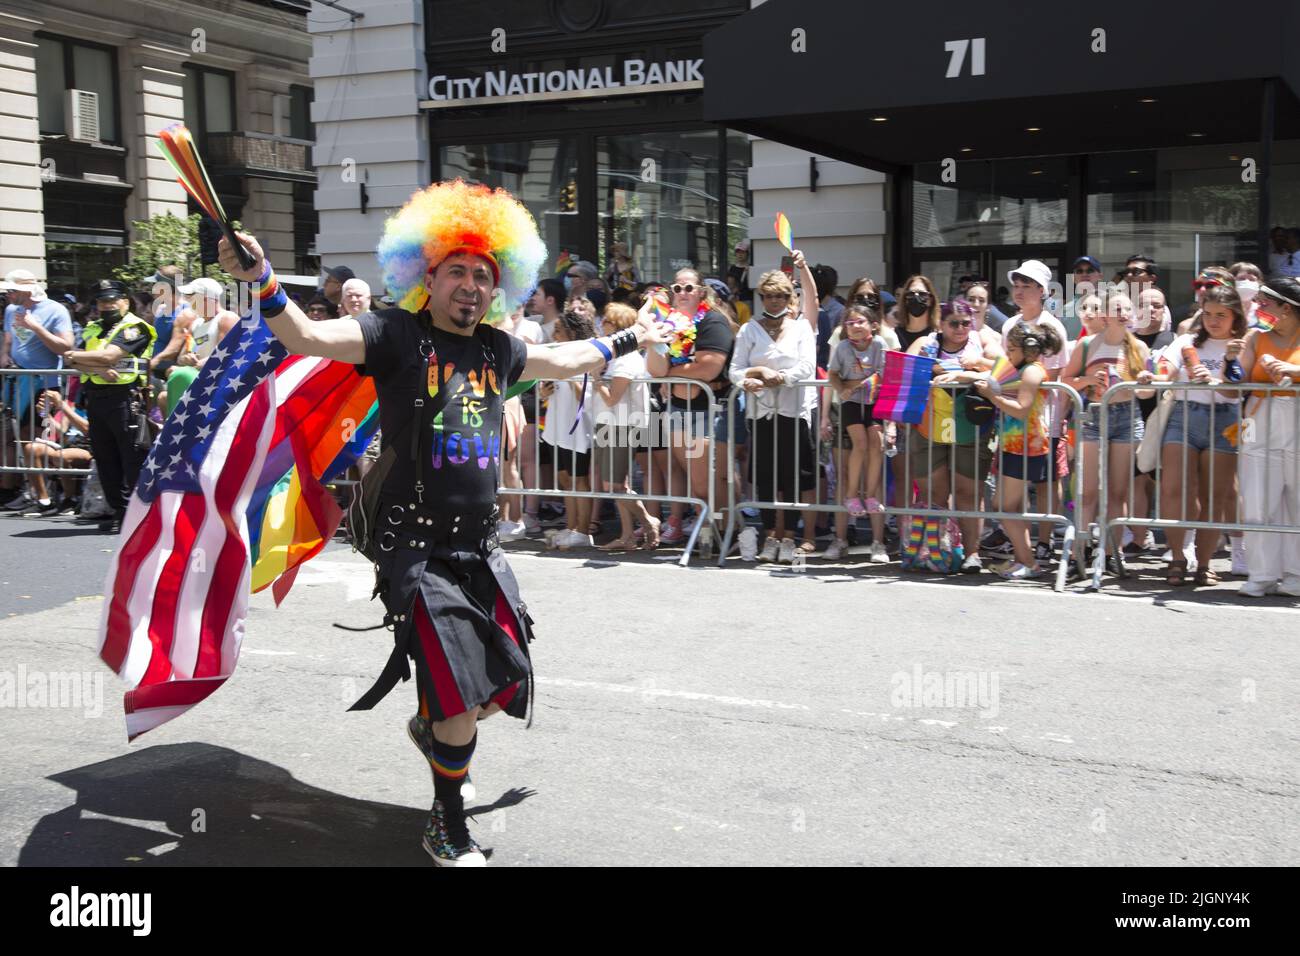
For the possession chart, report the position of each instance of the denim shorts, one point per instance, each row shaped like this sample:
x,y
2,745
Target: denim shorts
x,y
1126,424
1189,423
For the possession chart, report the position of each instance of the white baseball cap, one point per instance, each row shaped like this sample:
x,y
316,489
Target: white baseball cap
x,y
1032,269
208,288
20,280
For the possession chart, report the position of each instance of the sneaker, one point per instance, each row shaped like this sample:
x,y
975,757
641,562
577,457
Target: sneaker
x,y
993,540
837,550
111,525
1258,589
1000,549
447,838
1043,552
1290,586
786,554
973,564
748,545
673,533
573,539
20,502
874,506
879,555
1239,556
771,547
855,507
750,512
1021,572
69,506
48,511
532,525
511,530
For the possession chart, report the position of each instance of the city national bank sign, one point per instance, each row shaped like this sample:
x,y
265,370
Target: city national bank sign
x,y
501,86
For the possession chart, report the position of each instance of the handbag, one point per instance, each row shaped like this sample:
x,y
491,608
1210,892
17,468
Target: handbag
x,y
1148,454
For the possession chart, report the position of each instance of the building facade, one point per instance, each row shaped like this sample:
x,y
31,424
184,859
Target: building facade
x,y
590,111
84,90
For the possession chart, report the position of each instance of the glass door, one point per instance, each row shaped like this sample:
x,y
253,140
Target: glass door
x,y
947,268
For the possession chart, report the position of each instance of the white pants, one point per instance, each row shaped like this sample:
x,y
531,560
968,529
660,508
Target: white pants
x,y
1269,470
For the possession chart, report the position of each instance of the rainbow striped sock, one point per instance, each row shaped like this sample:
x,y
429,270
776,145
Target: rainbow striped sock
x,y
450,766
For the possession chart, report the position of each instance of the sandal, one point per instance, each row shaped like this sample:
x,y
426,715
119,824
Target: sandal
x,y
1205,578
807,547
619,544
651,535
1176,576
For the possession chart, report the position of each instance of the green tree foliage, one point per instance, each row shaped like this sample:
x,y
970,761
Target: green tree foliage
x,y
164,241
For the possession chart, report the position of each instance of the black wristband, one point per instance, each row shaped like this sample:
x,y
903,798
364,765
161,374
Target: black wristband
x,y
623,343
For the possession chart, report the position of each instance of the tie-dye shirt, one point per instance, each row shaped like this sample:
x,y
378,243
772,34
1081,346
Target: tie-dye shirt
x,y
1015,435
464,380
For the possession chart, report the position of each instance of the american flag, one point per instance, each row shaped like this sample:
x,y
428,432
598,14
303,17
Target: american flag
x,y
177,590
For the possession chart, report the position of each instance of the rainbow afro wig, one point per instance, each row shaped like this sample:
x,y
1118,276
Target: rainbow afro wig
x,y
452,217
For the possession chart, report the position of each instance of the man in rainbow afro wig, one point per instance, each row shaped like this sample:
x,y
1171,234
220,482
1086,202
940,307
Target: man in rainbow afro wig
x,y
452,254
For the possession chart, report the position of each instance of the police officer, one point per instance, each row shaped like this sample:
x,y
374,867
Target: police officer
x,y
114,366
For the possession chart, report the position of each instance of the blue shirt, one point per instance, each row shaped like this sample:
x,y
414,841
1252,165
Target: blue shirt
x,y
26,348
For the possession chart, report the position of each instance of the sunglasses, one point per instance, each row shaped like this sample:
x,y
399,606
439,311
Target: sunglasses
x,y
960,323
869,300
919,296
849,322
1199,284
1136,272
687,289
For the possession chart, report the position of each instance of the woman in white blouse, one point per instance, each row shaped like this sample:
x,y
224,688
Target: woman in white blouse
x,y
774,350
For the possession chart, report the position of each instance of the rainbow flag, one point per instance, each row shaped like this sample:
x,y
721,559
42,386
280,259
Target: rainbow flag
x,y
904,387
784,234
321,429
871,389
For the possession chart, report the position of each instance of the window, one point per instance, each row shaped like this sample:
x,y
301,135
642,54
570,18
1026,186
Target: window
x,y
300,124
990,203
63,65
209,101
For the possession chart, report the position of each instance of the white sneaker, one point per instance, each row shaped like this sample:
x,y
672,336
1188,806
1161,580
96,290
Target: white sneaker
x,y
770,548
1021,572
1258,589
878,553
1290,586
1239,556
838,549
532,525
748,545
573,539
511,530
787,551
973,564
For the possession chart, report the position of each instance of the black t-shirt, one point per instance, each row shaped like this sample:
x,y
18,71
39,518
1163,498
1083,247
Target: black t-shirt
x,y
713,334
1156,342
906,338
464,445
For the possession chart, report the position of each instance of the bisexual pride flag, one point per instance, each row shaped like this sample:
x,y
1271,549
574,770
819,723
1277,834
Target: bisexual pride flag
x,y
904,387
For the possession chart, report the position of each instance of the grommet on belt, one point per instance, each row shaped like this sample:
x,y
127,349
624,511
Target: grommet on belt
x,y
398,520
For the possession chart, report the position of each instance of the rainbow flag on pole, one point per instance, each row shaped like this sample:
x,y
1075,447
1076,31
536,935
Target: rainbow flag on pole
x,y
904,387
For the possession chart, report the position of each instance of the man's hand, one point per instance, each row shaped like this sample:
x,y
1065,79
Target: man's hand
x,y
27,320
230,261
648,331
109,374
188,359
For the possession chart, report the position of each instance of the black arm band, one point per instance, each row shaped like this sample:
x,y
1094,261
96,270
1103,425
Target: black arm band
x,y
623,343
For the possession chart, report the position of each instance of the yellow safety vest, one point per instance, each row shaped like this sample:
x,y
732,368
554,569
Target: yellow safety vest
x,y
130,369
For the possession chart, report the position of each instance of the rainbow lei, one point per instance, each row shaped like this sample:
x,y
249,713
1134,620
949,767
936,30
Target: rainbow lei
x,y
681,347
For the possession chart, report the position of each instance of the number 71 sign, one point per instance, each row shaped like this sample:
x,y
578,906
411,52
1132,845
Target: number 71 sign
x,y
957,56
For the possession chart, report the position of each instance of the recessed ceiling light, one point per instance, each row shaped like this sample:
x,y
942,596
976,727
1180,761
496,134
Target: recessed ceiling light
x,y
1033,129
1196,135
1134,172
1035,172
966,149
1147,99
880,119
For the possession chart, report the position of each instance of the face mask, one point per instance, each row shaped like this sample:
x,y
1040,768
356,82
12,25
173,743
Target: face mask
x,y
109,317
1247,288
915,308
773,316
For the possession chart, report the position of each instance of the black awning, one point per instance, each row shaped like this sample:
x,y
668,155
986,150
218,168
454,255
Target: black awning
x,y
892,85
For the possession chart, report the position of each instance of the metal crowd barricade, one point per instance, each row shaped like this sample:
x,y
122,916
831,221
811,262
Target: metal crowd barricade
x,y
906,478
1258,418
658,434
23,423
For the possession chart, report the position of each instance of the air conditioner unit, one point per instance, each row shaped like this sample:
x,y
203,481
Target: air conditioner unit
x,y
81,108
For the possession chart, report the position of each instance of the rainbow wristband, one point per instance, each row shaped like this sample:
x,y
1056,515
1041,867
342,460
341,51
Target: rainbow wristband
x,y
271,297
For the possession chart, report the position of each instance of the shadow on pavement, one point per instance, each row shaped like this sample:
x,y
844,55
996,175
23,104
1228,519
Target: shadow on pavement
x,y
141,809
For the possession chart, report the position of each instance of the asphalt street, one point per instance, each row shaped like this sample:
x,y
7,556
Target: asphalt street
x,y
684,716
